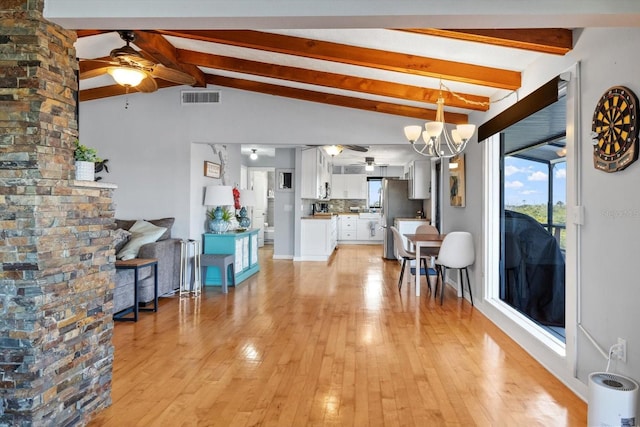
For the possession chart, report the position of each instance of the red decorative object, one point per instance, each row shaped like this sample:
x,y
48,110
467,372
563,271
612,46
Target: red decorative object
x,y
236,198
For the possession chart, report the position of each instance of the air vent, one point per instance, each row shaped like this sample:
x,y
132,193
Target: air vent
x,y
354,169
192,97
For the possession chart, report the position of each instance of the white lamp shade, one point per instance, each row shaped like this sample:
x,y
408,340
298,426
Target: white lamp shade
x,y
412,133
434,128
466,131
333,150
218,195
126,76
456,136
247,198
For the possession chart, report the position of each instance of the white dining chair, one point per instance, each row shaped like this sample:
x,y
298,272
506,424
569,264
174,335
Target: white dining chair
x,y
456,252
407,255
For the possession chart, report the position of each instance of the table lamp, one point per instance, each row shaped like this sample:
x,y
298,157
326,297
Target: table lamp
x,y
218,195
247,198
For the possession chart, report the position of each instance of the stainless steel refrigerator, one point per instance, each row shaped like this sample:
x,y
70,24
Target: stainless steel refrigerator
x,y
395,204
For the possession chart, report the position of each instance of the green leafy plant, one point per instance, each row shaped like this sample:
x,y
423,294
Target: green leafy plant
x,y
226,214
82,153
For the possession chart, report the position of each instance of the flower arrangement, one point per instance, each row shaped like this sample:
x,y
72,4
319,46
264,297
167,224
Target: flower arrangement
x,y
236,198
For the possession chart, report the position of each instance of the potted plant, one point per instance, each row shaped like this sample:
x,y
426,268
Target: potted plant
x,y
219,219
85,158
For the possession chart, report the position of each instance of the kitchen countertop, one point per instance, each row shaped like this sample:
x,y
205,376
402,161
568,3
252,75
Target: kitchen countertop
x,y
412,219
356,213
329,216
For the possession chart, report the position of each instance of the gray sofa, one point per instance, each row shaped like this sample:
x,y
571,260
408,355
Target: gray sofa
x,y
167,251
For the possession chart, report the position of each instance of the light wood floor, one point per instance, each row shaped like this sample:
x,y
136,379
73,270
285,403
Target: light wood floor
x,y
303,344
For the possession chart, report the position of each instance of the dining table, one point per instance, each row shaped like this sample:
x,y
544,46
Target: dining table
x,y
420,241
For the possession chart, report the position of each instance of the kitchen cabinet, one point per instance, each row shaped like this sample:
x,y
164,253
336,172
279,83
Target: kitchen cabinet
x,y
364,228
348,225
369,230
349,186
243,245
318,238
315,174
420,179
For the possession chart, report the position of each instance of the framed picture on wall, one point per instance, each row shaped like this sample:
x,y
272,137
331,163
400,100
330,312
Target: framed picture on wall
x,y
212,170
457,181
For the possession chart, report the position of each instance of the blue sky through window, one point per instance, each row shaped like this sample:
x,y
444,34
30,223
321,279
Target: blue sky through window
x,y
526,182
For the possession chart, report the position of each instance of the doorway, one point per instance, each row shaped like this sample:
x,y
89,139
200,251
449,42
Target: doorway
x,y
262,181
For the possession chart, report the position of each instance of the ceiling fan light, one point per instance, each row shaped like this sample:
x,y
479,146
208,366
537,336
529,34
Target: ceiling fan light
x,y
369,168
412,133
333,150
126,76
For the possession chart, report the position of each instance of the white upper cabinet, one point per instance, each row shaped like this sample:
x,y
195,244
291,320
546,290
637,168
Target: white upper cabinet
x,y
349,186
315,174
420,179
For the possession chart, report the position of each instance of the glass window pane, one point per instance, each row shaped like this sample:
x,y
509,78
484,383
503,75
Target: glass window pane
x,y
526,187
374,187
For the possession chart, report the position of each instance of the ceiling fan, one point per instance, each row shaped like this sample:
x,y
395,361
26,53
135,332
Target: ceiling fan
x,y
131,69
369,163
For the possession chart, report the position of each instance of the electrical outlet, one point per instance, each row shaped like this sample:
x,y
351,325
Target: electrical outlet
x,y
620,352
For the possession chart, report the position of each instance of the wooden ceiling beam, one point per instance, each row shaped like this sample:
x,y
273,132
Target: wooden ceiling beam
x,y
87,33
164,52
332,80
556,41
338,100
352,55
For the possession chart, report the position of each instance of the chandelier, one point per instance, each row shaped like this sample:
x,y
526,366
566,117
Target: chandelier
x,y
437,142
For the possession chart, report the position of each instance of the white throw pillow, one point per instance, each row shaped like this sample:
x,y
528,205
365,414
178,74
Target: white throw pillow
x,y
142,232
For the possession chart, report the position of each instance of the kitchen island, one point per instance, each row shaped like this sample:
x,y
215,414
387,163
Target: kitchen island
x,y
318,237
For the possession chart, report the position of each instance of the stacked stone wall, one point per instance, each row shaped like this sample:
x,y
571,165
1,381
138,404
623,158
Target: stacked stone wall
x,y
56,254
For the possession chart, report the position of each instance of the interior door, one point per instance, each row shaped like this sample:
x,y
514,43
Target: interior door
x,y
260,187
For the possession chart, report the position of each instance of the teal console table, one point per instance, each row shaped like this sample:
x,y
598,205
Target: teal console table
x,y
243,245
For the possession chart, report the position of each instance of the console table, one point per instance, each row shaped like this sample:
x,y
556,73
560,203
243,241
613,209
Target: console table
x,y
242,244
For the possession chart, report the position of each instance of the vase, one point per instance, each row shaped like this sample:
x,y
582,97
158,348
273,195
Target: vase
x,y
85,171
244,219
218,225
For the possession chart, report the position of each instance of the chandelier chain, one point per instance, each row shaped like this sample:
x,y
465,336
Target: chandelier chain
x,y
468,101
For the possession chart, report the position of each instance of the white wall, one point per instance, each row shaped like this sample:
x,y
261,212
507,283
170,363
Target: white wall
x,y
150,157
158,168
602,267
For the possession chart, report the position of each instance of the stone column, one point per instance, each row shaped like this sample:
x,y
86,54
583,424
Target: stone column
x,y
56,252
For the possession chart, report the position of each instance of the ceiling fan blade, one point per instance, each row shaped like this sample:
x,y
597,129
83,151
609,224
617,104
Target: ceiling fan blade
x,y
359,148
147,85
172,75
93,68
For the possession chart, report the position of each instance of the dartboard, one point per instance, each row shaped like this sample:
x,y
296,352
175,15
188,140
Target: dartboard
x,y
615,126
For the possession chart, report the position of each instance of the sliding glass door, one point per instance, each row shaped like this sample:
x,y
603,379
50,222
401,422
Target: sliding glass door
x,y
533,221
